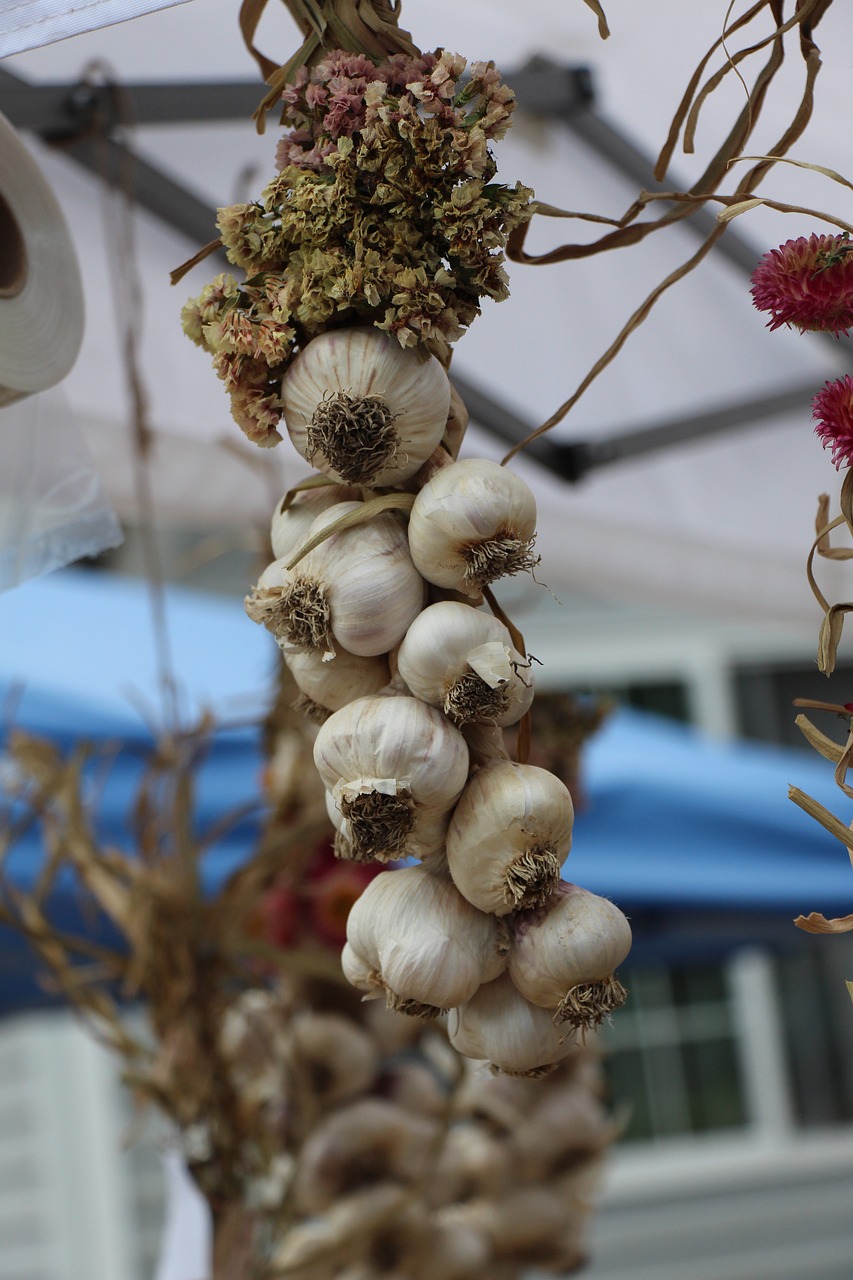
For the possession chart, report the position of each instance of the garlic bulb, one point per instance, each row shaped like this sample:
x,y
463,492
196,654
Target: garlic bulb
x,y
369,1140
362,409
565,954
498,1025
413,934
358,589
509,836
463,661
290,525
472,523
395,767
328,686
331,1236
334,1054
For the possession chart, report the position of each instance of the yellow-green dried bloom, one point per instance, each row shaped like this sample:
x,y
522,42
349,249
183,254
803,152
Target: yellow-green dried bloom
x,y
383,210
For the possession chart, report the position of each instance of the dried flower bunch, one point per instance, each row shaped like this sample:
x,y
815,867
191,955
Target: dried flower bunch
x,y
383,210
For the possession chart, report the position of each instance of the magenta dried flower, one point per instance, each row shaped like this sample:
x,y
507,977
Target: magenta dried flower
x,y
807,283
832,410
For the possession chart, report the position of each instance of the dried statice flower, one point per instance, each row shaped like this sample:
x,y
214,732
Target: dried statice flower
x,y
384,209
807,283
832,410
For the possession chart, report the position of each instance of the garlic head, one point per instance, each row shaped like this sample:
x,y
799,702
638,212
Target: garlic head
x,y
357,589
565,954
327,686
361,408
395,767
463,660
472,523
509,836
499,1026
414,933
290,524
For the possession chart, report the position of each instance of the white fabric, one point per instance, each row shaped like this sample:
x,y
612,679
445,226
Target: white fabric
x,y
53,509
28,24
186,1249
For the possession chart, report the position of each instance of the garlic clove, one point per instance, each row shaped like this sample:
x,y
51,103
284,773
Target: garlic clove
x,y
472,523
499,1026
463,660
395,768
509,836
565,954
415,933
363,409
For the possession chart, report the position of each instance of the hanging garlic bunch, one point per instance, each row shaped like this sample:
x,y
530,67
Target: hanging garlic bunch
x,y
565,954
358,589
498,1025
394,768
472,523
509,836
363,409
463,660
412,935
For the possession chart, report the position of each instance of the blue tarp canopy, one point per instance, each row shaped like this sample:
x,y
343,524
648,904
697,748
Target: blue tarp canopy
x,y
697,841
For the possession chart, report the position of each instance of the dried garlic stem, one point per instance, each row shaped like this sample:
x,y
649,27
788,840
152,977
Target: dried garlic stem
x,y
470,699
589,1003
356,434
500,556
532,878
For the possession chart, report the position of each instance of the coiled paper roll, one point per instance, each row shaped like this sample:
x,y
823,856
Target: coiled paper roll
x,y
41,294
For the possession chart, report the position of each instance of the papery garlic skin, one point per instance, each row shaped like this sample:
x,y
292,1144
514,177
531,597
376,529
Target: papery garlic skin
x,y
565,954
392,762
329,686
363,409
414,933
358,589
290,524
515,1036
463,660
472,523
509,836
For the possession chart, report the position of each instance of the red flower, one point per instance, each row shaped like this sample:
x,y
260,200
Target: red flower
x,y
807,283
832,409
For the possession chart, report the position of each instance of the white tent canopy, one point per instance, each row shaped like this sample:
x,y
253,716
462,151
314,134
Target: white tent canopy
x,y
720,524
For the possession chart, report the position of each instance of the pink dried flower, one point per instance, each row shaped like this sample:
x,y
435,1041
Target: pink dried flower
x,y
807,283
832,410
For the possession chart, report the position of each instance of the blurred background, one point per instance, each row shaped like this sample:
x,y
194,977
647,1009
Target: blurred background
x,y
677,507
